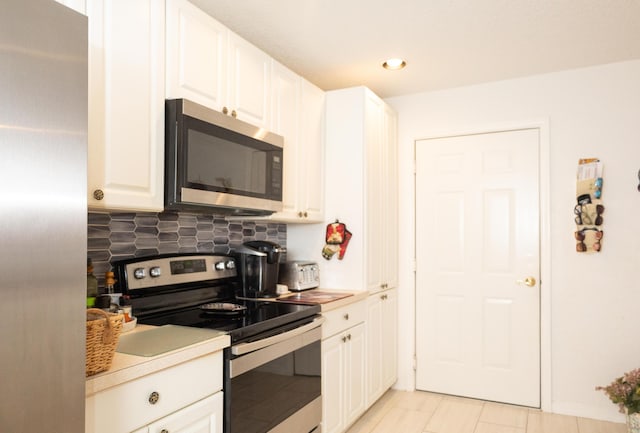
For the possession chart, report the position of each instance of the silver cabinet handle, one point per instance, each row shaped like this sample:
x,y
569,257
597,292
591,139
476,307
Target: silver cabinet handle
x,y
242,348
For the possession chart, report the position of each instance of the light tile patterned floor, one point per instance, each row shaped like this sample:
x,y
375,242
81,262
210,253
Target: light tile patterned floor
x,y
423,412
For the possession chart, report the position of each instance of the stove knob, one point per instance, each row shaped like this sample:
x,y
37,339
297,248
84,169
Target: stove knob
x,y
231,264
219,266
139,273
155,272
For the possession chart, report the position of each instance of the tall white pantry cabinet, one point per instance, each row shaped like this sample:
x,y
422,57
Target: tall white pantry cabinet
x,y
360,191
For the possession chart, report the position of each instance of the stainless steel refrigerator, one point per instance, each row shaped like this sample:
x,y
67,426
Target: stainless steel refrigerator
x,y
43,216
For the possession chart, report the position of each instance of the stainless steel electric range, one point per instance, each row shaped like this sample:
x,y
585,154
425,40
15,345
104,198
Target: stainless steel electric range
x,y
272,371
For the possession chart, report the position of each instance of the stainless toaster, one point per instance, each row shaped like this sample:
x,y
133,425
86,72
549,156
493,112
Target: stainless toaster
x,y
299,275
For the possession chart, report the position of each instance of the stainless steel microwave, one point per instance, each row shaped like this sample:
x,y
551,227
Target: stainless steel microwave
x,y
219,164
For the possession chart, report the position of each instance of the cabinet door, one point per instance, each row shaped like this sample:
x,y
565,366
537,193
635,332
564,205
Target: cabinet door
x,y
285,109
196,55
126,104
390,202
204,416
248,81
311,144
355,368
333,384
374,348
374,181
382,343
389,340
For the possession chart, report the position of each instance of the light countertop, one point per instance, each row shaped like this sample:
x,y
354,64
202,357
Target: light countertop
x,y
355,297
125,367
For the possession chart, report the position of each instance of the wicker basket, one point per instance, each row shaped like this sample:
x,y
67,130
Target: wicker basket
x,y
103,331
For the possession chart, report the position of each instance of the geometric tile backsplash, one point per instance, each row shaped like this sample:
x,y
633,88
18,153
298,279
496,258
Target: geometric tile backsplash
x,y
121,235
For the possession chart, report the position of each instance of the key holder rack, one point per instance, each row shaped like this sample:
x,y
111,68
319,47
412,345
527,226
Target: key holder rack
x,y
589,209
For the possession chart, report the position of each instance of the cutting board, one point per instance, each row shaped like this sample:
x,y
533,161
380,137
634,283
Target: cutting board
x,y
313,297
163,339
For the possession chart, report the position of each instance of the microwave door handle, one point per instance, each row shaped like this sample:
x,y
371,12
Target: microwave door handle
x,y
242,348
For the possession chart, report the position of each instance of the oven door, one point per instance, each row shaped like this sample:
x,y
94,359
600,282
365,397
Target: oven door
x,y
276,387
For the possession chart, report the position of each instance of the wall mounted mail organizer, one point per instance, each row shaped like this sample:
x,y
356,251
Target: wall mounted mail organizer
x,y
589,208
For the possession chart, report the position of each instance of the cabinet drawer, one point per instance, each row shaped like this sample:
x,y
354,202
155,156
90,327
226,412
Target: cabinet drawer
x,y
126,407
343,318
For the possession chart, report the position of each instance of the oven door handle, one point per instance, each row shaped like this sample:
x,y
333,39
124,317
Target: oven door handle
x,y
242,348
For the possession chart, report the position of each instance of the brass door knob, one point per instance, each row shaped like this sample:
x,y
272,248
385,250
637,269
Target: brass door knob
x,y
529,281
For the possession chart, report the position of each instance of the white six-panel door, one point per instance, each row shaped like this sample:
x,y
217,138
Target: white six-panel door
x,y
477,240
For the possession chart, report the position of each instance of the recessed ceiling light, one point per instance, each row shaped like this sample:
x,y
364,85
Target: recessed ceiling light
x,y
394,64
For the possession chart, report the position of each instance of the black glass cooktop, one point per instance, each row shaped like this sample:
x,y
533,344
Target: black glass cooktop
x,y
259,318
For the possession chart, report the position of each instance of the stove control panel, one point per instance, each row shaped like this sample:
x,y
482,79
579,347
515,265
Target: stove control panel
x,y
163,271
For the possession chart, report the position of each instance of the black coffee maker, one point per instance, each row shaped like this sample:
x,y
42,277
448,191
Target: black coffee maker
x,y
259,262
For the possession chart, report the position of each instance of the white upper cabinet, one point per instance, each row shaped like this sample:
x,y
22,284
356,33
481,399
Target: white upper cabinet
x,y
210,65
141,53
196,55
297,113
310,160
126,104
285,109
248,82
382,196
360,191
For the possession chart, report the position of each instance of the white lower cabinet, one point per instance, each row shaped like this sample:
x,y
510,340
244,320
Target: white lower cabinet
x,y
382,343
343,367
204,416
186,397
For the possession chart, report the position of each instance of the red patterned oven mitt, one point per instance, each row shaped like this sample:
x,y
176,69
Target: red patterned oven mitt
x,y
337,238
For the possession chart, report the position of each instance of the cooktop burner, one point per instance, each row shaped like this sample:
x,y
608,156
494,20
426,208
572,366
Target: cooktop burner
x,y
228,308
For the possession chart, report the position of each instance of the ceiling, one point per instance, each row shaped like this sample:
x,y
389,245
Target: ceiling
x,y
446,43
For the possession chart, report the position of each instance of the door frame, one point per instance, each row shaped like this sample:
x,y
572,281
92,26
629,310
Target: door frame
x,y
545,241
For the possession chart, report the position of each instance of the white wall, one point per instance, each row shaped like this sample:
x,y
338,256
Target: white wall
x,y
594,299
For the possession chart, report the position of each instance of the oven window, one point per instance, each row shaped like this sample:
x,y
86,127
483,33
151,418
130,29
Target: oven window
x,y
267,395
